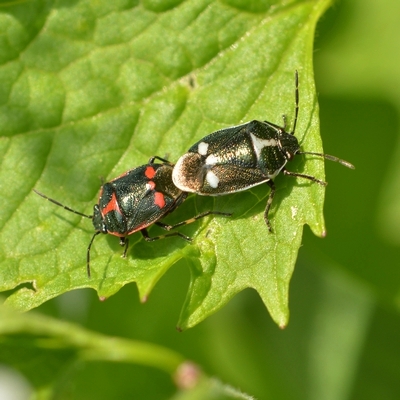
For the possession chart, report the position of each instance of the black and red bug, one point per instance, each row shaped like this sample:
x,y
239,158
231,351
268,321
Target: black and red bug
x,y
135,200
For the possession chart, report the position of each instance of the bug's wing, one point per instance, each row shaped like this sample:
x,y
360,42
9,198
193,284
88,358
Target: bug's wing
x,y
192,174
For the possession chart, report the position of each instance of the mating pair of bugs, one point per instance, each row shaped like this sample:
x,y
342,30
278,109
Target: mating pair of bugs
x,y
226,161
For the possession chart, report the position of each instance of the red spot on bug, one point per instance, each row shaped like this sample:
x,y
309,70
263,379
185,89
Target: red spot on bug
x,y
150,172
112,205
159,199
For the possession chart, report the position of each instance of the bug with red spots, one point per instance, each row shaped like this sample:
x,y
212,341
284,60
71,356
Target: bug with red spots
x,y
135,200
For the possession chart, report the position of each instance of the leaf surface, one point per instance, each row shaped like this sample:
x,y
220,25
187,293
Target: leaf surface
x,y
92,89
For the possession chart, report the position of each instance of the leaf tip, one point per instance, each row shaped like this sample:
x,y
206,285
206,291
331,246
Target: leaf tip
x,y
144,299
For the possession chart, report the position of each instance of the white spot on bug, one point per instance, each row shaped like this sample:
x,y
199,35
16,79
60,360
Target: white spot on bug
x,y
259,143
150,186
212,179
203,148
211,160
294,211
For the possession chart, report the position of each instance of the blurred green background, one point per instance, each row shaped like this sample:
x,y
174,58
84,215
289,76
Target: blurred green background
x,y
343,339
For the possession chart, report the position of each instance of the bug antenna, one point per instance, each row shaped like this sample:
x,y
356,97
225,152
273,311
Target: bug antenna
x,y
88,253
62,205
329,157
296,100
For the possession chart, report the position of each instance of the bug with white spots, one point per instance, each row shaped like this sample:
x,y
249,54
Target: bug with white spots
x,y
239,157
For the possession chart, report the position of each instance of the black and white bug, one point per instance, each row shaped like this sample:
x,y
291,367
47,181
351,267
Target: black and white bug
x,y
237,158
135,200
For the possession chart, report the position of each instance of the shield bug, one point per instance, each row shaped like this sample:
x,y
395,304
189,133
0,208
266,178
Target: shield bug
x,y
135,200
237,158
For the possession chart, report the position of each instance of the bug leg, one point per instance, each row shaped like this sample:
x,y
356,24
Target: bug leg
x,y
124,241
269,202
193,219
151,161
309,177
88,253
152,239
170,227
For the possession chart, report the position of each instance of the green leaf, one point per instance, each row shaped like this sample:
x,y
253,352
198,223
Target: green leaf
x,y
32,340
93,89
48,351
